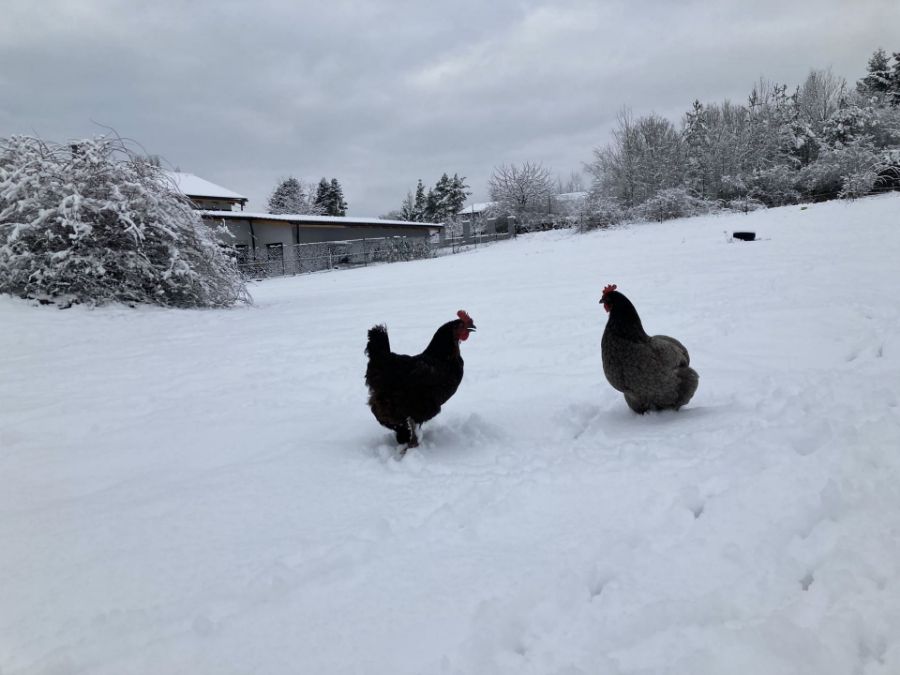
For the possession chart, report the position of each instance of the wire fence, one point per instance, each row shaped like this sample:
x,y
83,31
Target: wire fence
x,y
276,260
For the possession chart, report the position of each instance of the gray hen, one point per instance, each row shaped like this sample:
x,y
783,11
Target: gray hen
x,y
654,372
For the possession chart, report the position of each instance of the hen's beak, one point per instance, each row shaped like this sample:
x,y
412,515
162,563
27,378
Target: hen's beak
x,y
471,328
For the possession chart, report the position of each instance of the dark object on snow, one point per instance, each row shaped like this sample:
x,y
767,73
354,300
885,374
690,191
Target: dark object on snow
x,y
654,373
744,236
405,391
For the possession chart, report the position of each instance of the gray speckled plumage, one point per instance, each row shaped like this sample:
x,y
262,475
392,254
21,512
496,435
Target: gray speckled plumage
x,y
653,372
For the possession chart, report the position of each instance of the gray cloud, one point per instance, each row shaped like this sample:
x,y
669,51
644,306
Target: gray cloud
x,y
381,94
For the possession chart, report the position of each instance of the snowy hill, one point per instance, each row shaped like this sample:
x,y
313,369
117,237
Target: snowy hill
x,y
206,491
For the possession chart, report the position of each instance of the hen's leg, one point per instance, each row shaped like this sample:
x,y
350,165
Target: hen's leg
x,y
413,438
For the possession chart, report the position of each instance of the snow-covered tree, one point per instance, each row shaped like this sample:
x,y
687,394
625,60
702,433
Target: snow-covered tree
x,y
91,222
288,197
574,183
408,209
330,198
895,81
338,206
849,123
431,213
292,196
878,79
420,202
843,171
447,197
696,150
457,195
820,96
439,204
645,156
521,189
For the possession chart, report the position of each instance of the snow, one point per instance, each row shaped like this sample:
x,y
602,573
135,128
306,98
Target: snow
x,y
206,491
194,186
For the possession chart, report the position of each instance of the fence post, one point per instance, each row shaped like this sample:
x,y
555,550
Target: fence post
x,y
365,252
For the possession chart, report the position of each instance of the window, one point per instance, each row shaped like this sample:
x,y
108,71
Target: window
x,y
275,251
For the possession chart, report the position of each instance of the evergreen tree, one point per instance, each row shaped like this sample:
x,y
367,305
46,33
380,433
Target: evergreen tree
x,y
420,203
288,197
330,198
322,199
878,77
697,144
337,204
440,208
457,194
432,208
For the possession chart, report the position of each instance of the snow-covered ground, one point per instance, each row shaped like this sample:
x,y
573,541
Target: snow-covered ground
x,y
207,492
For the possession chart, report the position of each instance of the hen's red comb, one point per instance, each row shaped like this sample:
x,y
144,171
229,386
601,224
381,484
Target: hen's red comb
x,y
609,289
466,319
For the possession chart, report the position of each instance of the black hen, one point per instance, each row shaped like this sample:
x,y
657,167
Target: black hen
x,y
654,373
405,391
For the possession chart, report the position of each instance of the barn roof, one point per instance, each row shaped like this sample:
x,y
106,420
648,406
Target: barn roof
x,y
477,208
194,186
304,218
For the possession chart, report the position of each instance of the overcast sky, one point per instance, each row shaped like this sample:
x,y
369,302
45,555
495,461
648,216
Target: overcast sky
x,y
379,94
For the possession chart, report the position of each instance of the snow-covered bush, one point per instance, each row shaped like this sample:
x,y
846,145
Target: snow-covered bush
x,y
541,222
672,203
840,172
774,186
601,210
397,249
91,222
858,184
744,205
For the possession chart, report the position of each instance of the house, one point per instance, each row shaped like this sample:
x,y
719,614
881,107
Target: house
x,y
483,218
206,195
491,217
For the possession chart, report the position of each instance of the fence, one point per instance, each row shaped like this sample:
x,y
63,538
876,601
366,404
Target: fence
x,y
274,260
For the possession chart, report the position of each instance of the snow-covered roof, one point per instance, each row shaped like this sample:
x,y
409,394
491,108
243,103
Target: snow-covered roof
x,y
570,196
194,186
301,217
477,208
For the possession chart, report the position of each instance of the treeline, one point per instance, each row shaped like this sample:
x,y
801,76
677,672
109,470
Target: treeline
x,y
823,140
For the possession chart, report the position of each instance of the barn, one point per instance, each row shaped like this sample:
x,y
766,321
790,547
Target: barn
x,y
269,243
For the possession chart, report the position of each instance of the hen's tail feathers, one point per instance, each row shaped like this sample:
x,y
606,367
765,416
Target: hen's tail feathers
x,y
378,344
687,384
